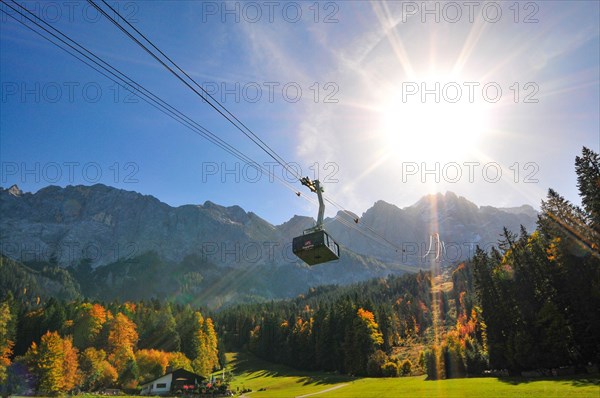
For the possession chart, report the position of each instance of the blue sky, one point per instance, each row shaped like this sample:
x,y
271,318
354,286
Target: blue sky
x,y
360,120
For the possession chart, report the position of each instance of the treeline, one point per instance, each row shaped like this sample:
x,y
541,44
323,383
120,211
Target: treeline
x,y
143,277
354,329
540,292
193,280
38,282
59,347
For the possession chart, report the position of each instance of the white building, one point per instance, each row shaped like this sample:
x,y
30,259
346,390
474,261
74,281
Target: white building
x,y
171,382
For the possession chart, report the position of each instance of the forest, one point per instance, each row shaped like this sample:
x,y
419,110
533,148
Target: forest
x,y
530,304
61,346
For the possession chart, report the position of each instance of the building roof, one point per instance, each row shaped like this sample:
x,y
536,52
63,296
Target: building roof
x,y
179,374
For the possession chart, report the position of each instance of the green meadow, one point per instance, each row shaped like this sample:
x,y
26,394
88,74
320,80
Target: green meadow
x,y
270,380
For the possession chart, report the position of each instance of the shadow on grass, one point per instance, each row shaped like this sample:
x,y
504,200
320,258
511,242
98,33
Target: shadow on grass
x,y
258,368
574,380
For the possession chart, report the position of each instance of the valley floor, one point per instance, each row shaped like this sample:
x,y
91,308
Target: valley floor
x,y
270,380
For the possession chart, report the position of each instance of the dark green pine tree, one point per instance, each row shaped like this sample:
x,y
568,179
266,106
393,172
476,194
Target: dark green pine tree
x,y
384,315
186,326
495,308
573,233
164,334
587,167
324,354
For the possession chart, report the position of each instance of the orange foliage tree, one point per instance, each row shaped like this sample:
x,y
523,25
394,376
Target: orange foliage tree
x,y
55,363
96,371
206,357
122,340
6,343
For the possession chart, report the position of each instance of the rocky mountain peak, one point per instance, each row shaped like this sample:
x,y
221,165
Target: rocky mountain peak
x,y
448,201
383,205
105,224
232,213
296,225
524,209
15,191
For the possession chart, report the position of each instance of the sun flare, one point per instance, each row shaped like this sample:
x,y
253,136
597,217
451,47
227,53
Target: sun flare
x,y
429,127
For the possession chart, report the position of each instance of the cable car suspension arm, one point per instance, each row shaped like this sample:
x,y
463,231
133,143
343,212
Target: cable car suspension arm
x,y
315,186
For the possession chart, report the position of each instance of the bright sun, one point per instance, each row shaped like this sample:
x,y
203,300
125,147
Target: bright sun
x,y
429,128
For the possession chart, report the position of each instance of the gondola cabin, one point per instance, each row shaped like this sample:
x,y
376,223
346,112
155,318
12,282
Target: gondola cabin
x,y
316,247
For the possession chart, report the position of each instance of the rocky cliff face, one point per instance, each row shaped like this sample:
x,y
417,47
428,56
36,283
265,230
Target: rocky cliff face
x,y
444,226
106,225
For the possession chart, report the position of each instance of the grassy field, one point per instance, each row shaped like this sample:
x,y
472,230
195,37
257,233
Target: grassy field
x,y
281,382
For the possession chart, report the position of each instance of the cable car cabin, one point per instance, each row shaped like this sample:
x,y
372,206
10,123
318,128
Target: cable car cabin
x,y
316,248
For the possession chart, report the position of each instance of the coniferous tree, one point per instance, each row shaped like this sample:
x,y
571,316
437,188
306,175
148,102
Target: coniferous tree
x,y
587,167
186,324
540,293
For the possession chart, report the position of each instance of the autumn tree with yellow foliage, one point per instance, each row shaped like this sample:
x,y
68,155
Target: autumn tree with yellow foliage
x,y
54,362
122,341
97,372
362,340
6,342
206,357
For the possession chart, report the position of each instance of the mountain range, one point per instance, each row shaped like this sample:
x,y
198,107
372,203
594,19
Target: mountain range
x,y
129,245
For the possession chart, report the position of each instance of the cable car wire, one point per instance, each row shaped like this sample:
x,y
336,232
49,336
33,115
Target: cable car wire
x,y
221,109
174,113
126,82
269,151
